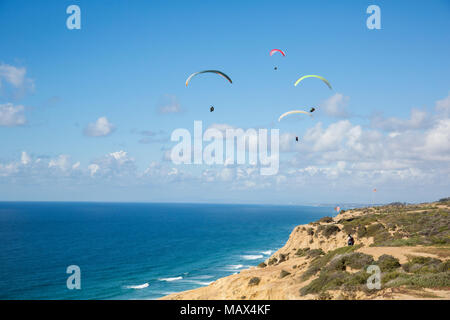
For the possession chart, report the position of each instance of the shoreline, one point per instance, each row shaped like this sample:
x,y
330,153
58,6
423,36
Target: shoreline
x,y
294,271
253,267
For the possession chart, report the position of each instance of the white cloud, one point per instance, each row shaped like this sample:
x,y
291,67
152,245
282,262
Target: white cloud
x,y
76,165
62,162
25,158
16,78
419,119
336,106
93,168
443,106
437,139
11,115
169,104
102,127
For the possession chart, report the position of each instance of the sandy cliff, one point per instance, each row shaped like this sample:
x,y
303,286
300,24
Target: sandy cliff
x,y
411,244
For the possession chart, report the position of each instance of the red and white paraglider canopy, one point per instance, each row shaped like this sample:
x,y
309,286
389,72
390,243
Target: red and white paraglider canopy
x,y
272,52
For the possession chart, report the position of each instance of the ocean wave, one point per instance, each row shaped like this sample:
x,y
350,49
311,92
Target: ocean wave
x,y
267,253
139,286
171,279
252,256
202,283
206,276
235,266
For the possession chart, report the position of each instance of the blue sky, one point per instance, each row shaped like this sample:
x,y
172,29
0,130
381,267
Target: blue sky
x,y
387,112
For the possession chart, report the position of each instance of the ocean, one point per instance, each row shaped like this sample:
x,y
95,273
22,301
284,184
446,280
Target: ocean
x,y
135,250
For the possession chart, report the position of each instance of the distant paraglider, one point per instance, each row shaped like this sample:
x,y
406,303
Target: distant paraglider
x,y
296,139
313,76
211,109
292,112
273,51
220,73
312,110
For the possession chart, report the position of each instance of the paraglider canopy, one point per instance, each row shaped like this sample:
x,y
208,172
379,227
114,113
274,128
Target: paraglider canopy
x,y
220,73
313,76
273,51
292,112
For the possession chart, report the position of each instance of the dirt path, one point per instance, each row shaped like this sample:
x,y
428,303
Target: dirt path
x,y
401,253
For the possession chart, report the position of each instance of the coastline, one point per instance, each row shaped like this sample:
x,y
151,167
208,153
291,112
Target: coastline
x,y
282,275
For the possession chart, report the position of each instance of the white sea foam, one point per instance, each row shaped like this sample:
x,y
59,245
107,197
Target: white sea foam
x,y
235,266
252,256
202,283
170,279
267,253
206,276
139,286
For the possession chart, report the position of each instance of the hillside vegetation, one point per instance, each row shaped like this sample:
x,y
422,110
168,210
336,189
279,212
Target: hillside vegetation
x,y
409,243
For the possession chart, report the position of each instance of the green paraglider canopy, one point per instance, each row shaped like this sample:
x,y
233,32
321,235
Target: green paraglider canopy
x,y
313,76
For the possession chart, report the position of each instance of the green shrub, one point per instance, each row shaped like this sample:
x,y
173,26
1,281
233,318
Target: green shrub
x,y
317,264
310,231
262,265
301,252
422,265
325,220
327,281
354,260
284,273
432,280
444,266
389,276
314,253
374,229
388,263
330,230
336,280
254,281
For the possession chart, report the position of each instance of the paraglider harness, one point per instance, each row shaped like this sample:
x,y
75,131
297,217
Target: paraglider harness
x,y
350,241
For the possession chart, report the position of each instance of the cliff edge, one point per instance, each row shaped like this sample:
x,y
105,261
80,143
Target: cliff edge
x,y
409,243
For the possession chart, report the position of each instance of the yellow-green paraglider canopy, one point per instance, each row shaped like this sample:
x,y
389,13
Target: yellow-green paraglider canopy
x,y
313,76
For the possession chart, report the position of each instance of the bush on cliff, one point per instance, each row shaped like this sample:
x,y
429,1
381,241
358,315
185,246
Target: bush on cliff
x,y
328,230
387,263
254,281
284,273
317,264
262,265
314,253
301,252
354,260
325,220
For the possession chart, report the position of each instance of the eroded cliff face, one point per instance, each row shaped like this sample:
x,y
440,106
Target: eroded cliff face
x,y
282,276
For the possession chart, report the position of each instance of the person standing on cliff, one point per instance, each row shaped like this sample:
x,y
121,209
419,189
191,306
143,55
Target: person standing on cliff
x,y
350,240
